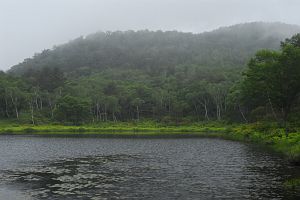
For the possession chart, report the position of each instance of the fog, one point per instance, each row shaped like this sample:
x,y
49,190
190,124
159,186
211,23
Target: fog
x,y
29,26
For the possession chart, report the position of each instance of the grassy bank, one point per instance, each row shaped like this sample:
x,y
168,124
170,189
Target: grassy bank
x,y
110,127
270,136
263,133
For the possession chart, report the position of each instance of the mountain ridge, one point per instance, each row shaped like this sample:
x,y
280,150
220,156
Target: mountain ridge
x,y
230,46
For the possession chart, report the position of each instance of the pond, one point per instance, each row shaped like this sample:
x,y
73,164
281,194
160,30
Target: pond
x,y
44,167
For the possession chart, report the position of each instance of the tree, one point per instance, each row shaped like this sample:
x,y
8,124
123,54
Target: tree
x,y
72,109
46,78
287,76
274,78
198,96
137,102
112,105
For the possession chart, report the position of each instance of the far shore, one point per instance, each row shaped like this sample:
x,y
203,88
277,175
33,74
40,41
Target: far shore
x,y
266,135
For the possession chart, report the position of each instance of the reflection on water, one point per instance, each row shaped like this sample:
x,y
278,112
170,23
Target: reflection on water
x,y
95,168
88,177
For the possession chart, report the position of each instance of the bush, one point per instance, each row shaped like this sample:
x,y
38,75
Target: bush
x,y
72,109
265,127
29,130
258,113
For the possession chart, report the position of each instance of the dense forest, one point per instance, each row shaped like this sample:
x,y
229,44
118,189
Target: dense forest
x,y
170,77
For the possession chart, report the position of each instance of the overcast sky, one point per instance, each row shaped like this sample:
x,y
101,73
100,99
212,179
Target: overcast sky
x,y
29,26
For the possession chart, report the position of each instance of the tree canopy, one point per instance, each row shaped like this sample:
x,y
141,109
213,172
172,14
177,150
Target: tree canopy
x,y
164,76
273,77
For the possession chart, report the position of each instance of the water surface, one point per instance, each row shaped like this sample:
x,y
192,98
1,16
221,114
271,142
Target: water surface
x,y
34,167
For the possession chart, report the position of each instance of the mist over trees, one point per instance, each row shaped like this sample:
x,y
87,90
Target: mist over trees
x,y
170,76
157,52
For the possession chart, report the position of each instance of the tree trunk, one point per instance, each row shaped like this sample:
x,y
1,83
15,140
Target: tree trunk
x,y
197,113
6,108
218,112
138,113
100,115
16,108
17,112
32,113
169,106
273,112
105,113
206,112
41,103
153,112
97,111
36,100
286,112
114,117
51,108
243,114
204,104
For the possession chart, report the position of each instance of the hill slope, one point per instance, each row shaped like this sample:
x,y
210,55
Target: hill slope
x,y
159,51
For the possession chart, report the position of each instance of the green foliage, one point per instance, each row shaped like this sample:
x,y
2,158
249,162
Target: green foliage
x,y
273,79
172,77
159,52
47,79
293,183
72,109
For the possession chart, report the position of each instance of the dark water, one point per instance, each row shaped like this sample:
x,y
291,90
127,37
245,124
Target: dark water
x,y
95,168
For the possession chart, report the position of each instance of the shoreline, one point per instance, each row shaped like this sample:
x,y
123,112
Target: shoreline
x,y
274,138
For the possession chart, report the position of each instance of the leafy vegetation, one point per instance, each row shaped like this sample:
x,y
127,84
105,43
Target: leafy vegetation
x,y
273,79
170,77
163,81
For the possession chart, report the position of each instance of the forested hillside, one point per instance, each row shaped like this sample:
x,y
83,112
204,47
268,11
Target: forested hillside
x,y
157,52
171,77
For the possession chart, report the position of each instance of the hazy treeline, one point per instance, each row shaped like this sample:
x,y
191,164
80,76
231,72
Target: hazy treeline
x,y
120,94
157,52
165,76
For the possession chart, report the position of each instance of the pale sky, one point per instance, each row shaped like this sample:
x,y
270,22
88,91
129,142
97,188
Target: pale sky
x,y
29,26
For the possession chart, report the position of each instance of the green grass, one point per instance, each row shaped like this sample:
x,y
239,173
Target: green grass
x,y
108,126
292,183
